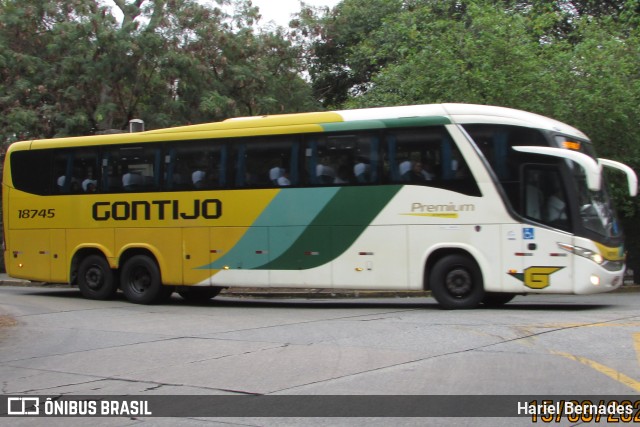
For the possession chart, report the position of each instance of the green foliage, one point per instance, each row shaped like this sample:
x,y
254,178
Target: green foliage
x,y
72,68
333,43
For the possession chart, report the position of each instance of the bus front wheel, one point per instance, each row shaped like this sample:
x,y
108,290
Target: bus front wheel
x,y
456,282
141,282
96,279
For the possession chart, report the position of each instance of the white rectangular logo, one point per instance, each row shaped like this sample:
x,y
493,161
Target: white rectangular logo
x,y
23,406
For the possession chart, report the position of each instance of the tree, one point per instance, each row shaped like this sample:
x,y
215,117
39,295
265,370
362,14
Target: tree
x,y
332,41
72,68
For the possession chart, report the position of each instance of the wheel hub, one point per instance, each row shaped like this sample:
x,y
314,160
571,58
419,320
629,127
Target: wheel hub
x,y
141,281
94,278
459,282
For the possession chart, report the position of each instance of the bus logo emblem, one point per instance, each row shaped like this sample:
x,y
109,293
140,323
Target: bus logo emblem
x,y
536,277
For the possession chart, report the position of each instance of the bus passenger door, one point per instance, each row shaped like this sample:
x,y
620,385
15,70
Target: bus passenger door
x,y
546,266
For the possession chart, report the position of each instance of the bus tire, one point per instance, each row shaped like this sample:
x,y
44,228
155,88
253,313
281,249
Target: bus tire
x,y
456,282
96,279
199,293
141,283
496,299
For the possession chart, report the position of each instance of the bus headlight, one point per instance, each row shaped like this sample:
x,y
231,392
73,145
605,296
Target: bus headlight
x,y
597,258
586,253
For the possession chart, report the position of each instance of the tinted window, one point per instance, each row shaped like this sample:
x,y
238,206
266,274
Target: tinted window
x,y
421,156
76,170
342,159
262,162
199,165
131,168
428,156
496,142
31,171
545,199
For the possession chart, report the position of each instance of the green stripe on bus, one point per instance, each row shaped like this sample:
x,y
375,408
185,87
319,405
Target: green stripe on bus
x,y
335,228
385,123
416,121
353,126
277,227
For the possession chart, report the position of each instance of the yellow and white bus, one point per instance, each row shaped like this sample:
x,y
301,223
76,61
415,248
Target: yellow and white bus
x,y
474,203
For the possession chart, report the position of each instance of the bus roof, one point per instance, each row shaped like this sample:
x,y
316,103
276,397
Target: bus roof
x,y
466,114
373,118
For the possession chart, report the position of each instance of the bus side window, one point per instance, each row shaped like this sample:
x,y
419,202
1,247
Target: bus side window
x,y
342,159
31,172
77,171
366,155
415,156
198,166
111,181
140,167
545,200
64,172
261,162
427,156
496,142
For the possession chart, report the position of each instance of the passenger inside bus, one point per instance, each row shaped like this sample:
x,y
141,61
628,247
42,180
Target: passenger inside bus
x,y
132,180
418,174
275,173
198,178
361,170
73,187
325,173
89,185
283,180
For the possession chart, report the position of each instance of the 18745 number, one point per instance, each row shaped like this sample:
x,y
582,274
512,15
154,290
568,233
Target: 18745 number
x,y
36,213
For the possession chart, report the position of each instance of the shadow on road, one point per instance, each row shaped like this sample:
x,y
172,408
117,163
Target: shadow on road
x,y
323,302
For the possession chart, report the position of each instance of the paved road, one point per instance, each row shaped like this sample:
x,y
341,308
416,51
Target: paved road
x,y
536,345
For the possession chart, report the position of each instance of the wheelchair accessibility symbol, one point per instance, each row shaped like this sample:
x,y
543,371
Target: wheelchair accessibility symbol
x,y
528,234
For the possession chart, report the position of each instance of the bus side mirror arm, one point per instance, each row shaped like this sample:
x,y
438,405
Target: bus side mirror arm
x,y
632,178
591,168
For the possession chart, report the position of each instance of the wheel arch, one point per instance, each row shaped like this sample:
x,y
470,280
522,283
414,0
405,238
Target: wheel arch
x,y
81,253
129,252
437,253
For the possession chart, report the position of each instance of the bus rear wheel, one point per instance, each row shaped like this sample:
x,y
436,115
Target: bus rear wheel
x,y
96,279
141,283
456,282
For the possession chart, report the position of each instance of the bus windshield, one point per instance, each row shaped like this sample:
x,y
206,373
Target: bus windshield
x,y
595,208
